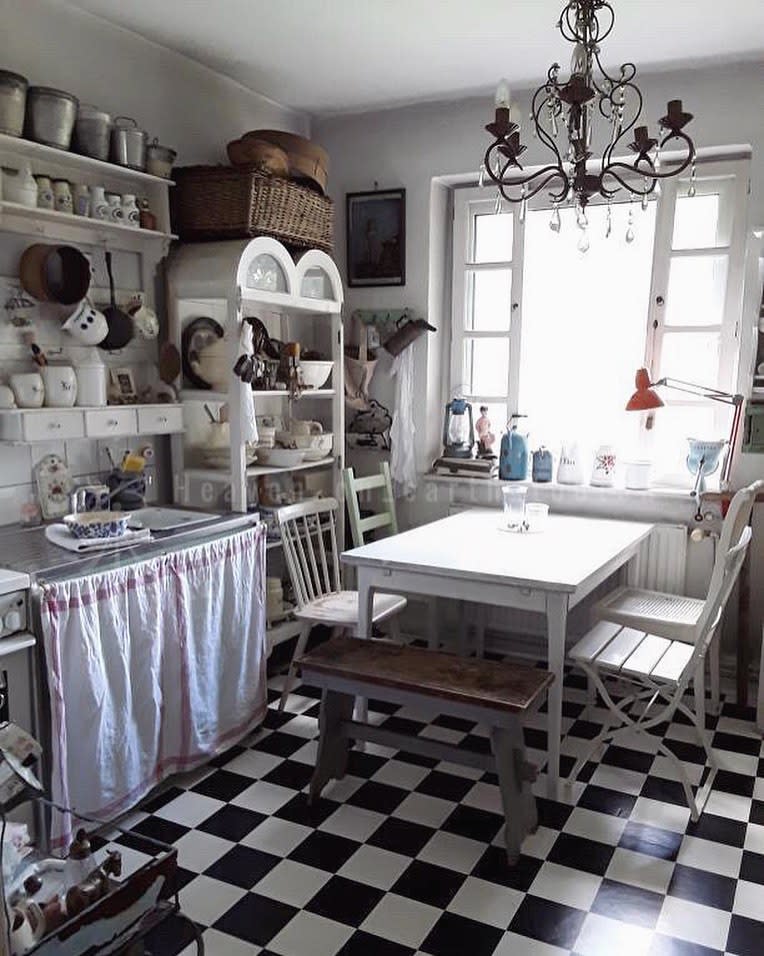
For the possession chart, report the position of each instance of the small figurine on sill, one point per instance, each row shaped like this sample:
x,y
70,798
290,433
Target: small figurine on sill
x,y
485,436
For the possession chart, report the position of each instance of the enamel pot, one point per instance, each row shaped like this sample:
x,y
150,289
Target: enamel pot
x,y
119,322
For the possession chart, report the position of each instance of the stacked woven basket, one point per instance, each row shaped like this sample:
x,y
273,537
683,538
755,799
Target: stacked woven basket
x,y
274,187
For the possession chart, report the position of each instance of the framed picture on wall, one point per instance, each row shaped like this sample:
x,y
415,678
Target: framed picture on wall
x,y
376,238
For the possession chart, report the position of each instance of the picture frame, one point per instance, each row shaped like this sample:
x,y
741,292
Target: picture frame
x,y
122,385
376,238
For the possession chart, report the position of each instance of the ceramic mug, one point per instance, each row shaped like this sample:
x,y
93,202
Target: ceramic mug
x,y
60,384
87,324
7,399
28,389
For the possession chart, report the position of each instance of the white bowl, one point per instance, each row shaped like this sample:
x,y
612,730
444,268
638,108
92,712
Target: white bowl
x,y
316,374
321,446
280,457
98,524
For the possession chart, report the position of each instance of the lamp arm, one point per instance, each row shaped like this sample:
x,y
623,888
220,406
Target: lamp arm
x,y
713,394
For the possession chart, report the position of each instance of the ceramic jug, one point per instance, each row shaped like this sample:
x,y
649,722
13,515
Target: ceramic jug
x,y
603,472
570,470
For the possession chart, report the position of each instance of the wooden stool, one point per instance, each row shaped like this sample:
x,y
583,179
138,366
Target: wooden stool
x,y
490,693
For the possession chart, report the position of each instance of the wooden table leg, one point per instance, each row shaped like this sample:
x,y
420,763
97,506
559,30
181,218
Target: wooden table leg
x,y
333,748
556,624
520,816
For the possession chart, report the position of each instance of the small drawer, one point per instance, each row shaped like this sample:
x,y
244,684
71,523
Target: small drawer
x,y
104,422
54,425
160,419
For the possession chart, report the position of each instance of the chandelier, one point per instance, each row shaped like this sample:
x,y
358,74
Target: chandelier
x,y
563,116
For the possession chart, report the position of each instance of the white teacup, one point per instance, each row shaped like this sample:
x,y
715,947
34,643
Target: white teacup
x,y
60,383
7,399
28,389
87,324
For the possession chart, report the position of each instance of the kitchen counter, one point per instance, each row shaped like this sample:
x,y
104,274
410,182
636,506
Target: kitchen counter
x,y
28,552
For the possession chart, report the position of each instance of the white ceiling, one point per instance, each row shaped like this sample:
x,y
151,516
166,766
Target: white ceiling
x,y
326,56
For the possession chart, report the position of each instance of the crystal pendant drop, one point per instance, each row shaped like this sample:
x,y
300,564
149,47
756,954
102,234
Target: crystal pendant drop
x,y
555,222
583,241
532,124
609,222
498,204
481,177
693,175
644,202
630,234
523,207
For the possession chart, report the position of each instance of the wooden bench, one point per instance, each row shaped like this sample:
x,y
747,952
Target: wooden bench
x,y
496,694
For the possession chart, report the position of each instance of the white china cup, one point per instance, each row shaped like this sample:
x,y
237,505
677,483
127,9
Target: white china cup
x,y
28,389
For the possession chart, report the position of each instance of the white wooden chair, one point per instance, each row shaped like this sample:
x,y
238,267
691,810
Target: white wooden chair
x,y
660,666
314,569
385,519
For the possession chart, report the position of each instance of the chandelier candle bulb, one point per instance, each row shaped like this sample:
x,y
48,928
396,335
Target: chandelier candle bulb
x,y
503,95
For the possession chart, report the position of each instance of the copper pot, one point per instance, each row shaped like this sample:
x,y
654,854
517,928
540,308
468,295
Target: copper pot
x,y
55,273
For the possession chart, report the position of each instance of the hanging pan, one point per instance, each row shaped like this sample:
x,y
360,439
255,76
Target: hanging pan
x,y
119,322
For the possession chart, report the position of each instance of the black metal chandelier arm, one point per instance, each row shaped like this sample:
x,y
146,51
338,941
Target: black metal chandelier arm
x,y
609,193
651,172
541,133
553,173
626,127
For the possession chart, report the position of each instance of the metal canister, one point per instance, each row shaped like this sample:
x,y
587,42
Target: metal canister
x,y
92,132
13,98
128,143
50,116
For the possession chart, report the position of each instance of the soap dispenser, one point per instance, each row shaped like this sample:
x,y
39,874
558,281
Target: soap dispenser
x,y
514,456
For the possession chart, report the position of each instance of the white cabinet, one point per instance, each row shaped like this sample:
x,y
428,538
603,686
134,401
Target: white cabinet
x,y
59,424
49,425
160,420
105,422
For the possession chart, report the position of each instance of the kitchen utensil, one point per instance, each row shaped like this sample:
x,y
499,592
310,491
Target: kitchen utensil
x,y
210,414
97,524
90,498
315,374
406,333
54,486
62,196
60,384
13,98
603,473
38,355
513,501
7,398
92,131
120,324
199,333
28,389
87,324
159,159
17,186
570,470
638,475
50,116
128,143
55,273
169,363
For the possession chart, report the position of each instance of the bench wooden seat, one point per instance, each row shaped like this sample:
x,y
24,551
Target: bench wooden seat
x,y
496,694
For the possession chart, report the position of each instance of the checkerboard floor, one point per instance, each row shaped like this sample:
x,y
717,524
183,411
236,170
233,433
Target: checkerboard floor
x,y
404,856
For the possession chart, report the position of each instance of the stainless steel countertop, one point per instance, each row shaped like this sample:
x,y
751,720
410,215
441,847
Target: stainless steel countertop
x,y
28,551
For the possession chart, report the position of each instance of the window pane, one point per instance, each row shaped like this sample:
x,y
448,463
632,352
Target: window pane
x,y
486,366
584,321
691,356
696,222
491,301
696,291
493,237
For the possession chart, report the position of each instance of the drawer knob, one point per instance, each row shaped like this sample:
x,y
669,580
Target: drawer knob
x,y
55,426
112,423
162,419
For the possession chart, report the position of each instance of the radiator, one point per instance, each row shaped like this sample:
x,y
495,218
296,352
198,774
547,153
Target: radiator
x,y
661,562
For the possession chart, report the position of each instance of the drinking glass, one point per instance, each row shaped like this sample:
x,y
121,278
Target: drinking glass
x,y
514,505
537,515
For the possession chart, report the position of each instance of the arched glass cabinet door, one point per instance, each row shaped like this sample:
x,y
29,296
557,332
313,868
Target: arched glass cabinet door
x,y
316,284
318,278
266,274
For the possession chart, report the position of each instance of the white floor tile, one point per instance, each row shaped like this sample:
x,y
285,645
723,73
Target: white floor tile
x,y
758,789
561,884
667,769
403,921
292,882
737,763
220,944
459,770
306,754
276,836
310,935
452,851
190,809
604,827
355,823
204,900
341,790
710,856
704,925
198,850
374,866
421,808
396,773
616,778
655,813
748,900
601,936
253,763
444,734
733,725
485,796
640,869
302,726
263,797
486,902
754,838
536,844
514,945
729,805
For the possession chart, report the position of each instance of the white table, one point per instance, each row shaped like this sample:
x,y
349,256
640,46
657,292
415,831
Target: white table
x,y
468,557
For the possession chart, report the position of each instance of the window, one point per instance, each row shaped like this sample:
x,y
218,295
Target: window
x,y
545,330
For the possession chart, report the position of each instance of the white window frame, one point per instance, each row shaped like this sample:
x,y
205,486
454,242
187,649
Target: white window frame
x,y
470,202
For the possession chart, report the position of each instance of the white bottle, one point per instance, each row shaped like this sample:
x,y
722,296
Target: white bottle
x,y
44,192
25,187
62,196
603,472
130,212
116,213
570,471
99,208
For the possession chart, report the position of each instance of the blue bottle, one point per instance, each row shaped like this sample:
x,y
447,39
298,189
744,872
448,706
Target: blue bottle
x,y
542,464
514,455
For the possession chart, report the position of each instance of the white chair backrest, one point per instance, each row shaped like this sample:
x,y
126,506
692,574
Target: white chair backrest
x,y
313,567
729,558
386,518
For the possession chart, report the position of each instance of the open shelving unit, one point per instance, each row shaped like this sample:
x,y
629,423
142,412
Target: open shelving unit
x,y
298,301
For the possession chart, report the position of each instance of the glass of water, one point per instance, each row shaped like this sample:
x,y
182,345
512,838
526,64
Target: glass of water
x,y
513,497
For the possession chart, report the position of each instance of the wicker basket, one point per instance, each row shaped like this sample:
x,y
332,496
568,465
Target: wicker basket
x,y
227,202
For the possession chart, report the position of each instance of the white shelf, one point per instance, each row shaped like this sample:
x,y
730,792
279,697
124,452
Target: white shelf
x,y
102,229
282,302
202,395
52,155
254,471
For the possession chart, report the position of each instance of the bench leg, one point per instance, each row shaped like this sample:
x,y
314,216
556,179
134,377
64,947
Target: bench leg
x,y
519,804
333,748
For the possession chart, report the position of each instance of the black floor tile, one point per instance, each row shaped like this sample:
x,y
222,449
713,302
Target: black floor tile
x,y
492,866
403,725
380,797
298,810
383,707
276,719
685,751
475,743
430,884
737,783
454,723
628,759
365,944
401,836
227,755
578,853
535,739
746,937
718,829
255,919
232,823
670,946
170,937
552,814
290,774
757,813
473,823
585,729
223,785
242,866
326,851
280,744
447,786
158,829
752,868
162,798
456,935
629,904
654,841
345,901
604,800
737,743
667,791
701,886
364,765
549,922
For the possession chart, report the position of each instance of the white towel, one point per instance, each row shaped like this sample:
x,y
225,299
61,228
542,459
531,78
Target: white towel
x,y
246,397
402,457
61,536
